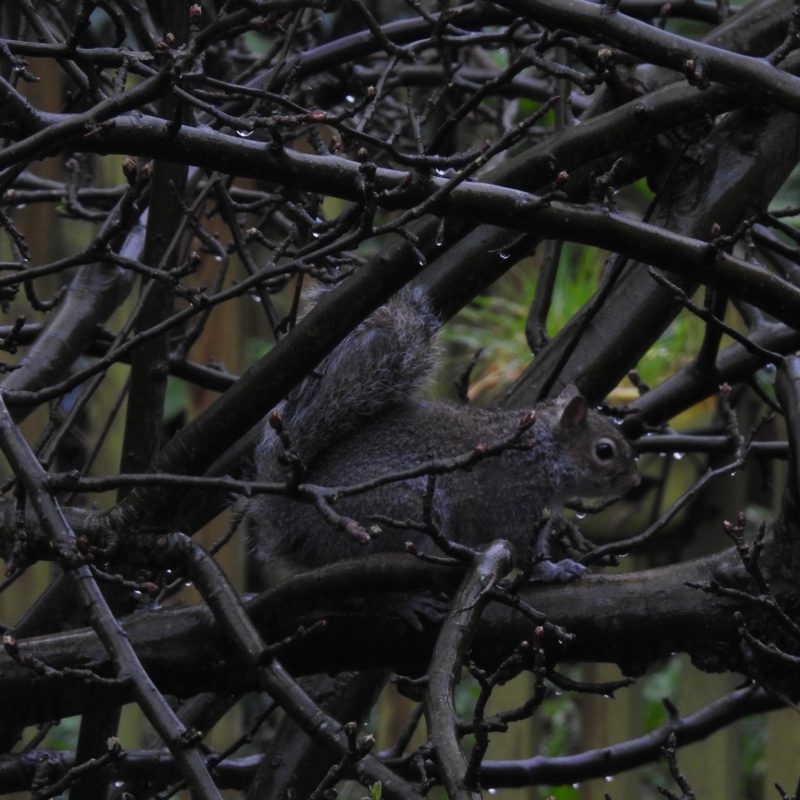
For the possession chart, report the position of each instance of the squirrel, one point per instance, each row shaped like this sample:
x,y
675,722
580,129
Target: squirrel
x,y
359,416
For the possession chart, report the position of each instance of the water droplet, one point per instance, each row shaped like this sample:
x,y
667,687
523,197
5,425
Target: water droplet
x,y
244,134
505,255
580,514
187,585
21,206
608,778
492,791
421,261
678,456
350,98
219,258
315,234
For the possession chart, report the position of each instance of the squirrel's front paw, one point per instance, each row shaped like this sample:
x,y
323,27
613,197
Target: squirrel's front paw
x,y
558,571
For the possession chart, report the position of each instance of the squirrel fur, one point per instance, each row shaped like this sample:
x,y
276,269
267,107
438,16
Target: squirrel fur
x,y
358,417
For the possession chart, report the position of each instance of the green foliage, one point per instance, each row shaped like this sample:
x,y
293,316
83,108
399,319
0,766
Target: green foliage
x,y
676,347
176,399
754,741
495,324
257,347
662,683
559,712
561,793
63,736
258,43
375,792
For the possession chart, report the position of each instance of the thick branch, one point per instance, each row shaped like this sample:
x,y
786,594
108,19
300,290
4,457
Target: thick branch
x,y
613,618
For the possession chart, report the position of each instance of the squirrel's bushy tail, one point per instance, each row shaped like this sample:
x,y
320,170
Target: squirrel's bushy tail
x,y
378,365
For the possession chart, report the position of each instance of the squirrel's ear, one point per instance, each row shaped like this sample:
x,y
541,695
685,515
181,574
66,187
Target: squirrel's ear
x,y
568,392
574,406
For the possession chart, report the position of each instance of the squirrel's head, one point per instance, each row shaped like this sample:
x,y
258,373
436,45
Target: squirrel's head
x,y
598,456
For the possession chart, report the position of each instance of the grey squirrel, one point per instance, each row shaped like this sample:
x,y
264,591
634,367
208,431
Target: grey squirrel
x,y
358,417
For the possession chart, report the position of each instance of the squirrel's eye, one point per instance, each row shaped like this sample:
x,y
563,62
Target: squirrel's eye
x,y
604,450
